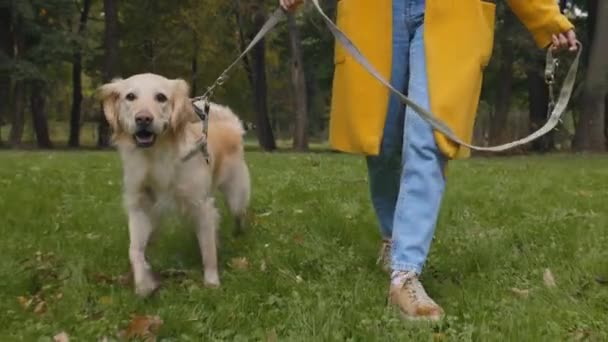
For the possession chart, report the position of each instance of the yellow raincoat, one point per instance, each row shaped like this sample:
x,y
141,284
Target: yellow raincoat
x,y
459,35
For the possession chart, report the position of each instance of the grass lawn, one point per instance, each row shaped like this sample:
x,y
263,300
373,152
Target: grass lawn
x,y
306,270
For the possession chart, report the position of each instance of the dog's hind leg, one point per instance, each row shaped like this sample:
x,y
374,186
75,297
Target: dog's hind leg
x,y
207,219
237,189
141,227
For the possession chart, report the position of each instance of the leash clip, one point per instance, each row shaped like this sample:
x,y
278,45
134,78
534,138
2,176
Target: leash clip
x,y
550,70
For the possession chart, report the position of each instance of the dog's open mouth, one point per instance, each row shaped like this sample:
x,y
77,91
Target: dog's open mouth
x,y
144,138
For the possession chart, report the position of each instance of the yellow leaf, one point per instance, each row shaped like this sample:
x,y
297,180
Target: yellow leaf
x,y
522,293
105,300
239,263
272,336
439,337
40,308
584,193
549,279
61,337
24,302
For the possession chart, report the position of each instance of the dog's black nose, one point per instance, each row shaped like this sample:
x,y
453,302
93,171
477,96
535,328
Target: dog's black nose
x,y
144,118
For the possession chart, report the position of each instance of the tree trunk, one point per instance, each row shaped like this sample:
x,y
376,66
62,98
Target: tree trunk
x,y
298,79
17,117
591,23
590,129
110,66
5,82
243,45
263,128
6,47
538,97
194,64
74,140
499,117
498,132
39,117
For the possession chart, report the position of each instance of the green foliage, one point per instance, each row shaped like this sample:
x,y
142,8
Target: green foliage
x,y
43,36
166,37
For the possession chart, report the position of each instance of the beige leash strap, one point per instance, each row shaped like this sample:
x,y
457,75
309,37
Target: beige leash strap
x,y
556,111
203,113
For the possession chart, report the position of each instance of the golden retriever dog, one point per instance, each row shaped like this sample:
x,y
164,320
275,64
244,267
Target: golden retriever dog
x,y
154,127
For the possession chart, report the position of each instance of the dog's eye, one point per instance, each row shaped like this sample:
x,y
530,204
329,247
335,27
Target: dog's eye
x,y
161,98
130,97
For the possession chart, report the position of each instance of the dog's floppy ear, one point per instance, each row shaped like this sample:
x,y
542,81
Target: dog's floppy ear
x,y
182,112
109,94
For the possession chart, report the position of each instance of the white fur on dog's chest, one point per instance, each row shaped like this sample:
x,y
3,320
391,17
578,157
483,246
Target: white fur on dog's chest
x,y
165,179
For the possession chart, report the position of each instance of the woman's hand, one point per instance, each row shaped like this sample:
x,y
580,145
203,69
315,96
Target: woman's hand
x,y
561,41
290,5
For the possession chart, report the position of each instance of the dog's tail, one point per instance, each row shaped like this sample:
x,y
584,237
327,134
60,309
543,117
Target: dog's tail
x,y
226,131
223,116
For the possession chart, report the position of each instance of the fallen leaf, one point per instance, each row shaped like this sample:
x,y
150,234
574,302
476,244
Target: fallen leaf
x,y
298,211
580,335
124,279
549,279
24,302
40,308
522,293
104,279
145,327
439,337
59,296
92,236
268,213
272,336
584,193
299,239
61,337
239,263
263,266
105,300
299,279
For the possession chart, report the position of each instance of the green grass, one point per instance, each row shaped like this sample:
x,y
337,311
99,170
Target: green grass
x,y
311,253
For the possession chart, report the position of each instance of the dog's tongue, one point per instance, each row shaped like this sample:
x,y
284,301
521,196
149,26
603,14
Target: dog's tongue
x,y
145,139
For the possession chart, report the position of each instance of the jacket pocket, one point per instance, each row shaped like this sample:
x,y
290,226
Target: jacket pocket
x,y
488,12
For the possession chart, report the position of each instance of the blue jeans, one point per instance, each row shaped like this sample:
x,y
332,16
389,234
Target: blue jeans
x,y
407,177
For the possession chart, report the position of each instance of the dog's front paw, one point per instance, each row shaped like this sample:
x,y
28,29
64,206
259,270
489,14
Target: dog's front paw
x,y
147,286
212,280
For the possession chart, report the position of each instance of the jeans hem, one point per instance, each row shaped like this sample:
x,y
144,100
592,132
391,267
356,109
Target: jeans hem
x,y
405,267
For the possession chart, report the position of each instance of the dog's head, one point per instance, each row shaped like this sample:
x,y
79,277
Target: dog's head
x,y
146,107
